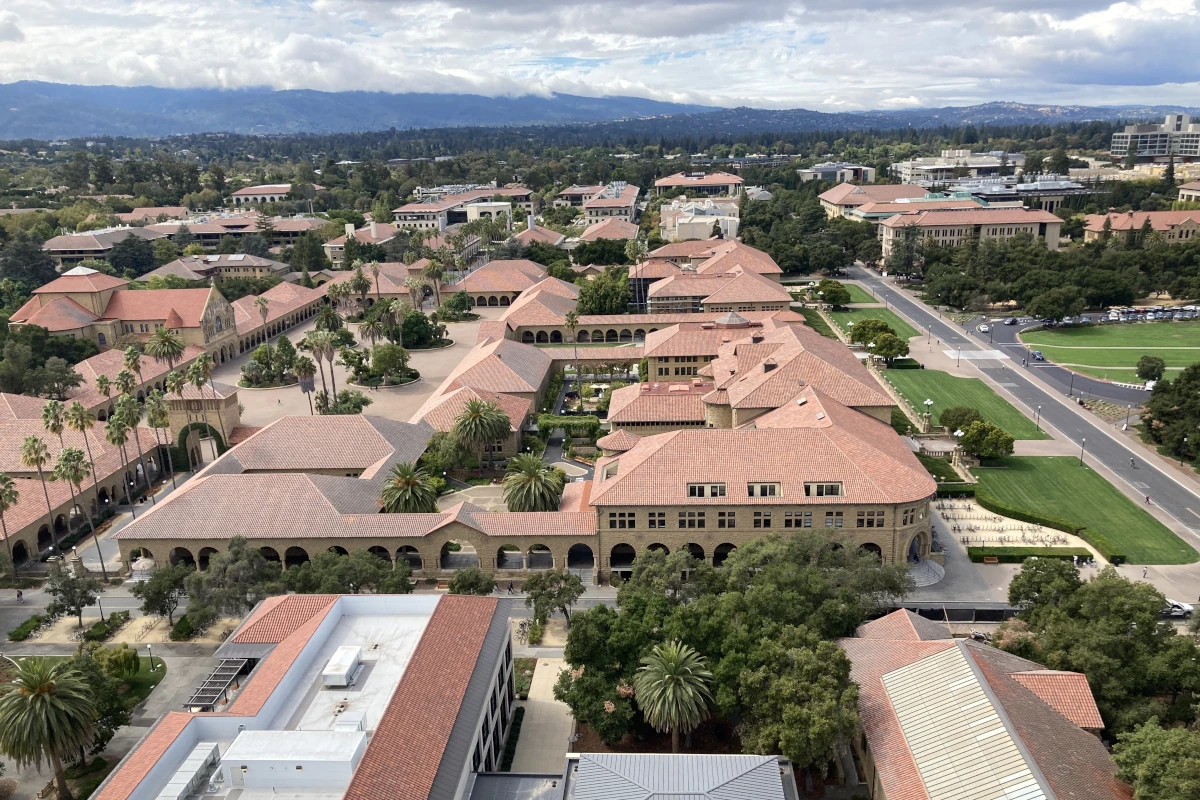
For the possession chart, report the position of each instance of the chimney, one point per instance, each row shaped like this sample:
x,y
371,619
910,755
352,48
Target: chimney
x,y
531,222
374,235
349,230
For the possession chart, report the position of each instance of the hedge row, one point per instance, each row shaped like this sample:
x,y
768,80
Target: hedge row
x,y
102,630
1096,540
510,747
956,490
26,628
587,426
1017,555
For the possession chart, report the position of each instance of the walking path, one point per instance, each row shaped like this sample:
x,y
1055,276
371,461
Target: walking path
x,y
547,727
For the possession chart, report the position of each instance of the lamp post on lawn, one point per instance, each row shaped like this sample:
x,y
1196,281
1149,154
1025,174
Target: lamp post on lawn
x,y
1082,447
1038,423
958,361
150,655
1183,452
928,414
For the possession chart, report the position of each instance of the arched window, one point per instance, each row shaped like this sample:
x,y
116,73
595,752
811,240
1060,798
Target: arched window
x,y
220,325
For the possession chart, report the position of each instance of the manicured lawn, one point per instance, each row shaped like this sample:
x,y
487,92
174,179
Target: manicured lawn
x,y
902,328
1111,351
1056,486
859,294
947,391
1115,373
939,468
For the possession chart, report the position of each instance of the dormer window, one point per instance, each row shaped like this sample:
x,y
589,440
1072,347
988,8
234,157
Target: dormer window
x,y
763,490
706,490
822,490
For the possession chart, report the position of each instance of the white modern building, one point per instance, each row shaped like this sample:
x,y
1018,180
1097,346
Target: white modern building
x,y
957,164
1178,136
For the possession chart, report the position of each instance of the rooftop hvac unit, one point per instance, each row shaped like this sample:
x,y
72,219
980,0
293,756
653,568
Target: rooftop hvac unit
x,y
341,668
351,721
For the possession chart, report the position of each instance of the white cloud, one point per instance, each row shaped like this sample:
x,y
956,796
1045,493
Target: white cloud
x,y
831,54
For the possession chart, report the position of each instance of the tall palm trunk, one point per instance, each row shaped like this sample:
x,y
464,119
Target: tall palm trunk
x,y
12,565
141,460
220,415
92,466
170,458
332,378
125,471
674,739
49,509
60,775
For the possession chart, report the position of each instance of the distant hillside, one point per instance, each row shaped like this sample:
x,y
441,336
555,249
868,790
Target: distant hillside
x,y
35,110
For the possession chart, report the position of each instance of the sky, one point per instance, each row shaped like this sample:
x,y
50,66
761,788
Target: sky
x,y
823,54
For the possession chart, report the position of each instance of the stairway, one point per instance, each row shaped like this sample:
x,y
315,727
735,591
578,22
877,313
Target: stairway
x,y
927,572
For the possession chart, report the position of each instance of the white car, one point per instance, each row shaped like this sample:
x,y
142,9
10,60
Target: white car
x,y
1177,610
984,328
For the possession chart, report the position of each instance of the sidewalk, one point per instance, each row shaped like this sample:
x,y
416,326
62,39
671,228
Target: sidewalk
x,y
548,725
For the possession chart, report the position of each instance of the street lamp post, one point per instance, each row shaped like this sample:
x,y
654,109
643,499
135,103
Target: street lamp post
x,y
958,358
150,655
1082,447
928,414
1183,451
1071,389
1038,422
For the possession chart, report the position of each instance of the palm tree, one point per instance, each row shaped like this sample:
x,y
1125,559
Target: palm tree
x,y
672,689
304,369
434,271
374,267
116,433
393,316
125,382
159,417
46,712
262,304
316,341
8,498
72,468
35,454
571,320
479,425
54,419
409,490
200,373
532,485
104,386
165,345
372,329
360,285
176,384
81,420
133,363
320,344
129,409
416,290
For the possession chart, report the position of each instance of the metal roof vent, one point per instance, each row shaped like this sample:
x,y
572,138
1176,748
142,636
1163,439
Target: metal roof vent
x,y
801,401
821,415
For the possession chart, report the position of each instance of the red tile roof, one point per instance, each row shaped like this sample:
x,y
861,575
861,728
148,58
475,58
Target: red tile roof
x,y
658,403
1067,693
59,314
617,441
849,194
20,406
111,362
611,228
137,765
156,304
277,618
441,410
540,234
438,674
979,216
711,179
81,280
501,276
502,366
1134,220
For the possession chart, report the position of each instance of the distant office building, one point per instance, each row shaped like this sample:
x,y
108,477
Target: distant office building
x,y
1174,227
1048,191
1190,192
952,228
695,184
1177,136
617,200
957,164
266,193
837,172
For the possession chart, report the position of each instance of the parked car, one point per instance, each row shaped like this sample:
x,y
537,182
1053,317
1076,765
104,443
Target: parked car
x,y
1010,321
984,328
1037,355
1176,610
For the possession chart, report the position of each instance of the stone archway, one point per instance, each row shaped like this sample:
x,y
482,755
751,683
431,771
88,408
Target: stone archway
x,y
622,556
696,551
597,336
464,556
294,557
509,557
380,552
204,557
492,301
580,556
659,546
341,551
60,526
722,552
583,337
874,549
626,335
504,301
20,553
411,555
269,553
539,557
611,335
639,335
542,338
527,337
556,337
918,548
181,555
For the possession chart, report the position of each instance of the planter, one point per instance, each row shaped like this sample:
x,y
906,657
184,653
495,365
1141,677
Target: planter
x,y
449,343
244,388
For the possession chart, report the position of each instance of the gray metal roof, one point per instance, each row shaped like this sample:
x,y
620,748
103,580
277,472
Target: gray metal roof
x,y
608,776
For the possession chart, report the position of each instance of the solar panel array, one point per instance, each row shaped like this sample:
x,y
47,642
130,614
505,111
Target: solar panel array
x,y
216,686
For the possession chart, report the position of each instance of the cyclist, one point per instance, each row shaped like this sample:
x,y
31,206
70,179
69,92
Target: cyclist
x,y
1131,463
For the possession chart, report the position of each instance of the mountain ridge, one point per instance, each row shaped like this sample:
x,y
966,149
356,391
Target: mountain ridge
x,y
40,110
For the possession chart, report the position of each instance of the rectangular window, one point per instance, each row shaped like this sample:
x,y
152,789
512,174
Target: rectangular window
x,y
706,490
622,519
762,490
762,519
837,519
691,519
808,519
658,519
726,519
828,519
822,490
791,519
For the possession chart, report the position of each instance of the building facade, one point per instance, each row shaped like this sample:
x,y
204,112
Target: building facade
x,y
1178,136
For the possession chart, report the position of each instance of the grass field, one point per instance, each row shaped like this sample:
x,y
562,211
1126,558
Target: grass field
x,y
947,391
814,320
1111,351
859,294
1057,486
902,328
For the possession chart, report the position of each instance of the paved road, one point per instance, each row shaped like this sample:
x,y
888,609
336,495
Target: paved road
x,y
1004,338
1076,425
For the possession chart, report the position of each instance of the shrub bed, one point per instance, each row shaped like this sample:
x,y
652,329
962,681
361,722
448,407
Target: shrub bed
x,y
905,363
1017,555
102,630
956,490
510,746
26,628
183,630
523,681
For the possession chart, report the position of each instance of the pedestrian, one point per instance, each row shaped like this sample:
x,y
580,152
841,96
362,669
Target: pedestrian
x,y
279,401
510,588
1075,560
1147,499
20,596
1144,571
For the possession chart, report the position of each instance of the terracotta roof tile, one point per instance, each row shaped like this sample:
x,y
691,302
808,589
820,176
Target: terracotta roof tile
x,y
279,617
438,673
540,234
502,276
145,756
979,216
849,194
611,228
502,366
56,315
618,441
1067,693
352,443
20,406
81,280
902,625
111,362
663,403
1133,221
681,179
156,304
441,410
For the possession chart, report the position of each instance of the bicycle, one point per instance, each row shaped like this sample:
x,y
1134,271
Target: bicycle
x,y
523,632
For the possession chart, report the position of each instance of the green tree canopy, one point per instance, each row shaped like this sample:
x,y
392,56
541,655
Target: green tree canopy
x,y
472,580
